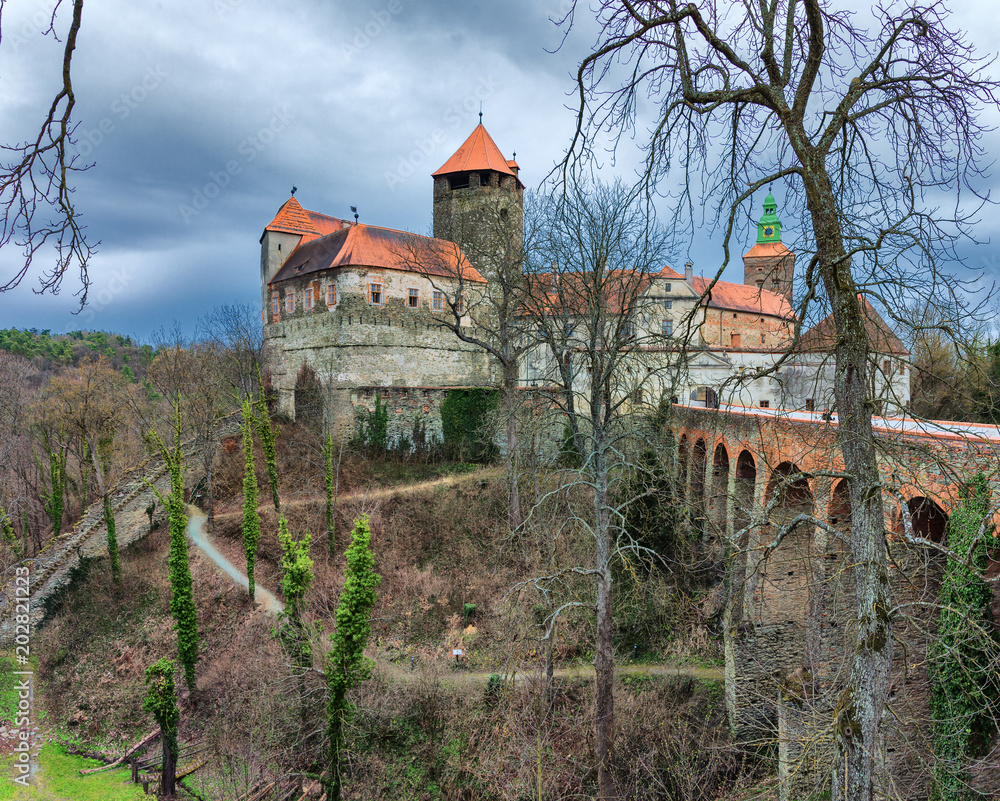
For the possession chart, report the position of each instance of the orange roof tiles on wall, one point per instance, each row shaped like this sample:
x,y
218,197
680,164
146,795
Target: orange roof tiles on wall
x,y
370,246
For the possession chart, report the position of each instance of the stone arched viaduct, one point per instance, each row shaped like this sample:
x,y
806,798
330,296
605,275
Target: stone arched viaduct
x,y
789,615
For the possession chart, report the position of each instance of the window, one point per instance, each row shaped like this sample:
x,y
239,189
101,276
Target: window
x,y
289,301
275,304
735,339
637,396
460,304
765,404
668,304
667,288
902,368
810,405
541,332
629,331
668,328
885,367
375,293
331,294
414,298
761,339
438,300
307,298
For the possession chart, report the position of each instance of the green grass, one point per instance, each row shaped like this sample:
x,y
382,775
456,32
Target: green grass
x,y
8,695
59,778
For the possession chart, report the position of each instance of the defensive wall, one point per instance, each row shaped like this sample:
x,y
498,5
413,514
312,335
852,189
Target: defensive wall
x,y
788,627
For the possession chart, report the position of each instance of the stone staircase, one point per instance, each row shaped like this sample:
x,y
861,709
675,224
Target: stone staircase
x,y
53,566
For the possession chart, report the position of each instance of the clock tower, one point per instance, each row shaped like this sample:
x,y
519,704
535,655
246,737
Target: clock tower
x,y
769,264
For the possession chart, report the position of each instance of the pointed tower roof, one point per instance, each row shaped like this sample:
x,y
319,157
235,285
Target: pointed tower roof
x,y
478,152
293,219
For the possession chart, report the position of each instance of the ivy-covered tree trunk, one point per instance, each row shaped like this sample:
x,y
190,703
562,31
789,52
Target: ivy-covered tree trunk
x,y
109,524
54,497
251,517
268,435
346,665
182,605
161,703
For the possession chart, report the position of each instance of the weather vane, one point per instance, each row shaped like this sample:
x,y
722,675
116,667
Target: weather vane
x,y
293,189
355,210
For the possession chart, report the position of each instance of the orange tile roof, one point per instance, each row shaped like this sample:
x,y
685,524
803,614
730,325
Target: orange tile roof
x,y
293,219
740,297
478,152
370,246
767,250
822,337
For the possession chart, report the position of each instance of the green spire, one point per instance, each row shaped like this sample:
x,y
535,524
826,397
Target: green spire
x,y
769,226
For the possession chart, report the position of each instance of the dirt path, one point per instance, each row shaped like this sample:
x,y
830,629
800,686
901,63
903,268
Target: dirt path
x,y
457,677
384,492
196,531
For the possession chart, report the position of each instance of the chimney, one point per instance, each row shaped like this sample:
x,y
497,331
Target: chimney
x,y
689,273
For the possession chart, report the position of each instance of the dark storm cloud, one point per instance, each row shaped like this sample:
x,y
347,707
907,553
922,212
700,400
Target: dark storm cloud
x,y
199,117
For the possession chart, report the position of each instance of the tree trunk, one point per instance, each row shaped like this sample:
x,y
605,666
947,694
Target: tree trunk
x,y
514,510
604,666
169,771
857,730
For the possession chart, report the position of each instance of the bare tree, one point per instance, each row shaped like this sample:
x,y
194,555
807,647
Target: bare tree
x,y
867,129
237,332
590,273
36,190
491,315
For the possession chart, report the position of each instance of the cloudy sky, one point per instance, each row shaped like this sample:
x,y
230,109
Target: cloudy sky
x,y
200,117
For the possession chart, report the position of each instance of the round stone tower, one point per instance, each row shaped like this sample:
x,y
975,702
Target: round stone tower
x,y
478,201
769,264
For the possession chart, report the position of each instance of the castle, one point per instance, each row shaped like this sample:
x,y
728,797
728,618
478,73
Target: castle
x,y
364,309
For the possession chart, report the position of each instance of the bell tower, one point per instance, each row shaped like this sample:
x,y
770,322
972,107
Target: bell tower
x,y
769,264
478,202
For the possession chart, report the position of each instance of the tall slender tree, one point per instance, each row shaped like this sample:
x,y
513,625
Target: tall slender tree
x,y
347,665
182,605
251,517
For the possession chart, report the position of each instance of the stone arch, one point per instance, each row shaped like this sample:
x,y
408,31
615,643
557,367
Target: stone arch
x,y
683,461
744,494
308,398
837,602
718,499
929,520
699,464
787,575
